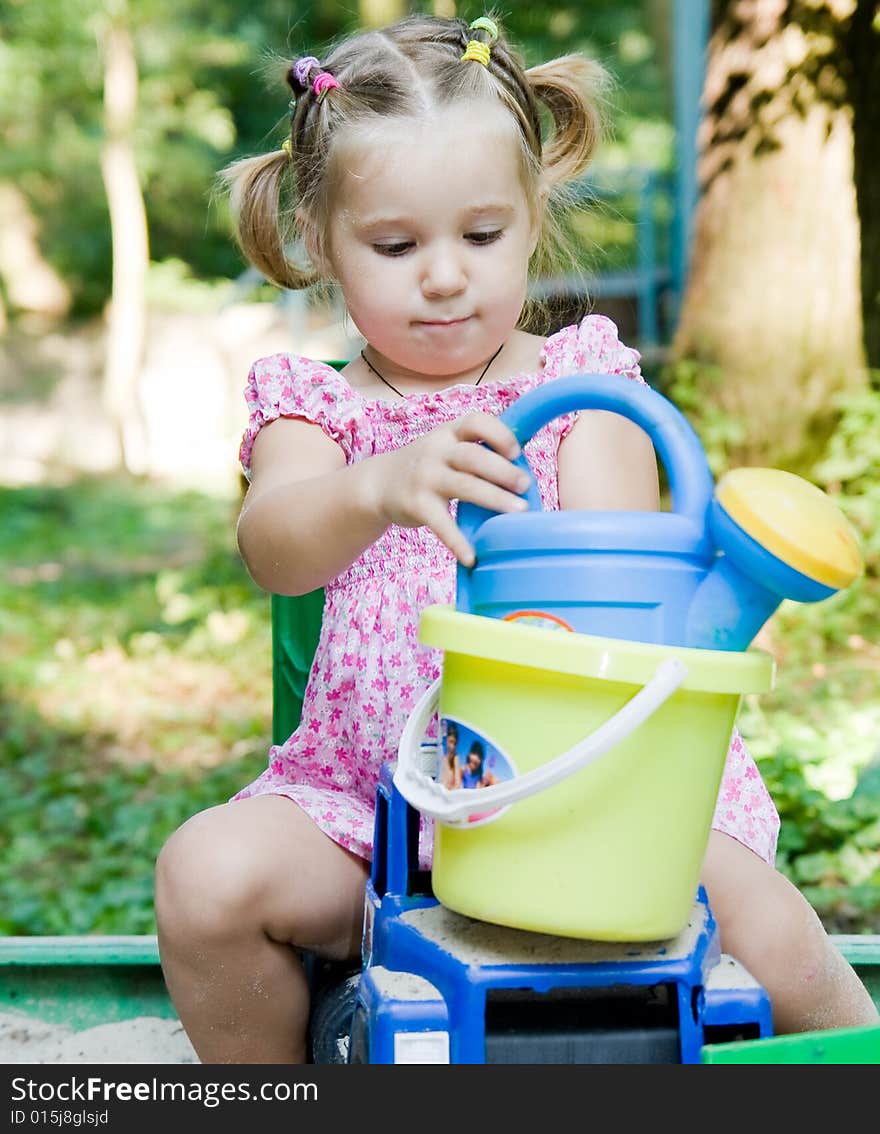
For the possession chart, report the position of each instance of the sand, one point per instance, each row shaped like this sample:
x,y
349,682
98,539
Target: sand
x,y
147,1039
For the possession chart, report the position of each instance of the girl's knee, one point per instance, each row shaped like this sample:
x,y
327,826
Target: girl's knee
x,y
259,868
209,877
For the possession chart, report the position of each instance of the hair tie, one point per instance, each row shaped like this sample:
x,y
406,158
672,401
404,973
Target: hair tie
x,y
483,23
477,52
287,146
301,69
323,83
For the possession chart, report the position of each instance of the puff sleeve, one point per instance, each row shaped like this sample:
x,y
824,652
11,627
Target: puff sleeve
x,y
592,346
284,385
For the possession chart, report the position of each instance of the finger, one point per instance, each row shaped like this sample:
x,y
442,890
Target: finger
x,y
478,460
449,533
475,490
491,430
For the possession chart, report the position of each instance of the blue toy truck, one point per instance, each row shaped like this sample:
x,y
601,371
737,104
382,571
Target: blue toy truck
x,y
437,987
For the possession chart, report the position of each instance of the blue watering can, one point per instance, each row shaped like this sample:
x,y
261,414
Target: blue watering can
x,y
708,574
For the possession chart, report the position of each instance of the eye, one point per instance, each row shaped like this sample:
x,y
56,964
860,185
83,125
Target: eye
x,y
486,236
397,248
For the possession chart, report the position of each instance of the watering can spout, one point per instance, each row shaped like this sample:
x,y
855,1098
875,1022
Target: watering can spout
x,y
728,608
778,537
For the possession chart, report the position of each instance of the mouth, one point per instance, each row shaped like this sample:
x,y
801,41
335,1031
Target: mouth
x,y
443,322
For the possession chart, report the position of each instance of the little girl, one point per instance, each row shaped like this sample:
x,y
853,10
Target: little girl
x,y
450,769
418,176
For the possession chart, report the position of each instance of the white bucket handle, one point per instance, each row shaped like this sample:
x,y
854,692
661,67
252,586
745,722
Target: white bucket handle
x,y
455,805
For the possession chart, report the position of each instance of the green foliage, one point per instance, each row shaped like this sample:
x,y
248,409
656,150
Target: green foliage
x,y
691,385
632,44
207,95
136,691
819,731
80,836
830,849
172,287
851,467
51,118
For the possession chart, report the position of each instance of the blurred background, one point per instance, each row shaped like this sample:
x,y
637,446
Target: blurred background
x,y
731,227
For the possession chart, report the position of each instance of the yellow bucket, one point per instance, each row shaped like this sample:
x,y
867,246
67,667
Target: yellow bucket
x,y
609,756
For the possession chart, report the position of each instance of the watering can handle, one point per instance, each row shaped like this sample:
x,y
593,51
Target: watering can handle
x,y
453,805
678,446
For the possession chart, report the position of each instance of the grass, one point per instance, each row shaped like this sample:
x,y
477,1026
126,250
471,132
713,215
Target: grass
x,y
134,690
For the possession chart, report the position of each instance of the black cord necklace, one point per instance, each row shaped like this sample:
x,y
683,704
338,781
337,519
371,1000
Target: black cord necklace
x,y
400,394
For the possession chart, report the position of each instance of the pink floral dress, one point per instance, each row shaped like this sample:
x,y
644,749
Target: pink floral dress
x,y
369,668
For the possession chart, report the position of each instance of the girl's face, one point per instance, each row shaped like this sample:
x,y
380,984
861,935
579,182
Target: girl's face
x,y
430,235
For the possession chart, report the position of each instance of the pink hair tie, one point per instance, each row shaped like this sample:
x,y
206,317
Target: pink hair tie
x,y
324,82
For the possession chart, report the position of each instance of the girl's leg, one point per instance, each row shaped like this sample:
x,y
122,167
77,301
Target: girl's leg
x,y
237,887
768,925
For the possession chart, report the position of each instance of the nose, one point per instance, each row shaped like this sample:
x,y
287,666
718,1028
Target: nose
x,y
443,273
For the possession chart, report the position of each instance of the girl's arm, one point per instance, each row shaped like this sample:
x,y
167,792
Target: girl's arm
x,y
302,515
307,516
607,463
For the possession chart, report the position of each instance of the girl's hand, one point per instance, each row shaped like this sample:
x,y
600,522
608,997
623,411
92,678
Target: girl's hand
x,y
414,485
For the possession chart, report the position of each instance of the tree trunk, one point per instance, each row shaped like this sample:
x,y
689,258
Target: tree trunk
x,y
29,280
863,52
126,326
772,303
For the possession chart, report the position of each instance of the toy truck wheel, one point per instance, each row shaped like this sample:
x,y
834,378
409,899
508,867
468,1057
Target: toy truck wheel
x,y
333,1006
359,1044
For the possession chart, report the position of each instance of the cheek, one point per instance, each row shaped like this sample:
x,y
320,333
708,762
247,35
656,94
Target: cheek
x,y
513,265
374,290
374,308
511,277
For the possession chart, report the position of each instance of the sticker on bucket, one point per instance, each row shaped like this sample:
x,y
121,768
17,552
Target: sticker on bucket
x,y
470,760
539,618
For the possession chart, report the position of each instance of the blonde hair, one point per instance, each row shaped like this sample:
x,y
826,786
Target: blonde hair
x,y
406,70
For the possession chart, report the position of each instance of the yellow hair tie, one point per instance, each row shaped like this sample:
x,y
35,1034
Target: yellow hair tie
x,y
483,23
478,52
287,147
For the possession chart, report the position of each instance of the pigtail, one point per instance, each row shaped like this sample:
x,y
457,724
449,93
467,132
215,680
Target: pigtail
x,y
255,188
272,196
573,89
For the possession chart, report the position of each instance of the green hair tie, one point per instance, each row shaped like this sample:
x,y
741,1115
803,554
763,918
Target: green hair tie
x,y
483,23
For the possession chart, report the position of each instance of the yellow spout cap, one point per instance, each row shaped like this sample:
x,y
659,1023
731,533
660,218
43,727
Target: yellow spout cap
x,y
795,521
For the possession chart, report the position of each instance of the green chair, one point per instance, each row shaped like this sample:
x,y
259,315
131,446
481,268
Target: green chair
x,y
296,626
